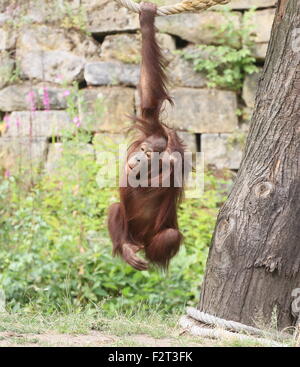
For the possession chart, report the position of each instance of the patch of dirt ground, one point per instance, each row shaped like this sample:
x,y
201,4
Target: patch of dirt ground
x,y
93,339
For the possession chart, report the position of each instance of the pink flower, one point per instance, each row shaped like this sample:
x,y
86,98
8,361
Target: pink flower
x,y
66,93
76,121
46,100
6,121
31,94
31,100
7,173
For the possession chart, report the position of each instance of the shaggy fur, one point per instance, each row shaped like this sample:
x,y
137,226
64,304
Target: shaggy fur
x,y
146,219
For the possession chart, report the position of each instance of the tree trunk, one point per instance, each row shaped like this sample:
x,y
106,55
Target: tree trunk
x,y
254,260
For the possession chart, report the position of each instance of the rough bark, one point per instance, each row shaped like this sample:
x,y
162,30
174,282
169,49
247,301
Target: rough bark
x,y
254,260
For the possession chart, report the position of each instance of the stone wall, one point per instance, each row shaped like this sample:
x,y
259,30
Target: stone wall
x,y
46,45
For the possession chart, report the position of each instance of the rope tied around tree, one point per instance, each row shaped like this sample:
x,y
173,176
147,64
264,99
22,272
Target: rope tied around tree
x,y
184,6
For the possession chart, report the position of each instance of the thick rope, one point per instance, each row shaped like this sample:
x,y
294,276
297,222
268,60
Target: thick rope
x,y
191,323
183,7
193,328
216,321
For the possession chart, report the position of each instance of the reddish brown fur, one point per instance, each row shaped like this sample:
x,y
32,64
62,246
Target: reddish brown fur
x,y
146,217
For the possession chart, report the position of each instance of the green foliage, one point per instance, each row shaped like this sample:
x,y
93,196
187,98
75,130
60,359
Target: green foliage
x,y
10,73
238,138
55,253
74,18
15,75
61,12
225,65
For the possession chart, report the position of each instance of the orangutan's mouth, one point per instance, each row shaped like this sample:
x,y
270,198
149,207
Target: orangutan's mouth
x,y
129,170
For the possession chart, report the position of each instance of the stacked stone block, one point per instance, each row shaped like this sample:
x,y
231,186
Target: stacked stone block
x,y
48,45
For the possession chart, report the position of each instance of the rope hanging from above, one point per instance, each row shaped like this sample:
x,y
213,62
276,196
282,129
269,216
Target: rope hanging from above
x,y
182,7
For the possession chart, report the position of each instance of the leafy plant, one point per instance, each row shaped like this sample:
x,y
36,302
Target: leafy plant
x,y
224,64
15,76
238,138
74,18
55,252
10,71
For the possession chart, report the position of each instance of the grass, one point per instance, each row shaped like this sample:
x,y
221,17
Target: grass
x,y
152,324
94,328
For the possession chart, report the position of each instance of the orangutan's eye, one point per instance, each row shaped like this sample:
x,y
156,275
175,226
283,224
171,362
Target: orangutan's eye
x,y
142,149
148,154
